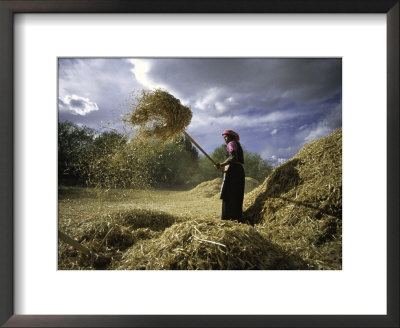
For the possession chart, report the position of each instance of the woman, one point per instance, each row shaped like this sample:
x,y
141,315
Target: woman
x,y
232,189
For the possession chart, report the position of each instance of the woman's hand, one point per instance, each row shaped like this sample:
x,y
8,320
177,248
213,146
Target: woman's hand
x,y
218,166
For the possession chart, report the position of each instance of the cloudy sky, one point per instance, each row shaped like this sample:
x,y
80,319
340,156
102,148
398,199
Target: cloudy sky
x,y
276,105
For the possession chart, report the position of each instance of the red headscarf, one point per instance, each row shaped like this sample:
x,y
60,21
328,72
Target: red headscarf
x,y
231,133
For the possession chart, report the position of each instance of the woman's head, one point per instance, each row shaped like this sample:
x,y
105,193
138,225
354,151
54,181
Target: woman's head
x,y
230,135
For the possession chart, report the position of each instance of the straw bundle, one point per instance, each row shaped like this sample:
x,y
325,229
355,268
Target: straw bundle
x,y
299,206
158,113
206,245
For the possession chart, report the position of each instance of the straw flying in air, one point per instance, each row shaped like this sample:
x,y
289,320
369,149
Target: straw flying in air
x,y
159,114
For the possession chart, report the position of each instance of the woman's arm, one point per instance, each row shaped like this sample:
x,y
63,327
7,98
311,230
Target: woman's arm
x,y
232,155
232,158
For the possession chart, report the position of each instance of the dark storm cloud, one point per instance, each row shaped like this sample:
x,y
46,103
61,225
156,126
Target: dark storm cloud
x,y
233,85
78,103
277,105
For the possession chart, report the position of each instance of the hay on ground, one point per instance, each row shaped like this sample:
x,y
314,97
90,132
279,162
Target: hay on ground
x,y
207,245
207,188
110,235
299,206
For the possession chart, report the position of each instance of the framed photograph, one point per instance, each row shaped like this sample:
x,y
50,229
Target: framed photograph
x,y
54,52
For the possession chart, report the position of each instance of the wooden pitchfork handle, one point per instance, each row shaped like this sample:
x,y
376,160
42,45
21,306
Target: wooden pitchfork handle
x,y
78,246
197,145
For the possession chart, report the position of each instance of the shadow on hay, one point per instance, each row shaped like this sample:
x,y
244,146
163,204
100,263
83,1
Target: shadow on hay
x,y
122,229
142,218
282,180
328,231
112,234
329,209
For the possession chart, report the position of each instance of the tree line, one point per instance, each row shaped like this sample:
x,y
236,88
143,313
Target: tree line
x,y
111,160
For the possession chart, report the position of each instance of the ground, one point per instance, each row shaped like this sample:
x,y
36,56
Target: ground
x,y
112,221
79,203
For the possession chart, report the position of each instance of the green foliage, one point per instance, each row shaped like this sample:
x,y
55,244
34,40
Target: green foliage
x,y
74,142
108,142
254,166
108,165
206,169
174,163
219,154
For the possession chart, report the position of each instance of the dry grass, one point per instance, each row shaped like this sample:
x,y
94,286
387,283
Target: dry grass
x,y
207,245
137,238
299,206
207,188
159,114
77,204
109,222
110,234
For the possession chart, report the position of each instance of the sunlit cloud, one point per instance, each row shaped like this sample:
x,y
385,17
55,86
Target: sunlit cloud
x,y
140,70
77,105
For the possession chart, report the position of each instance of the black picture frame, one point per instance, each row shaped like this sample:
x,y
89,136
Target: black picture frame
x,y
10,7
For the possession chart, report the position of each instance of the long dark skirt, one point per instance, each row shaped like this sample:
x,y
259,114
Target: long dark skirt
x,y
232,193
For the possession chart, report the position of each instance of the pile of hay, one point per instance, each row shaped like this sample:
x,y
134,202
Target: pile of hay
x,y
157,113
299,206
110,235
207,188
212,188
207,245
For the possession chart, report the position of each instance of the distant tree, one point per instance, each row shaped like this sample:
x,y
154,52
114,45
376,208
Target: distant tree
x,y
175,163
74,143
108,142
254,165
104,161
206,169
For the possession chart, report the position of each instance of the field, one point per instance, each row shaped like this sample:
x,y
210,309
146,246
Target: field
x,y
113,223
76,203
83,207
91,217
294,222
